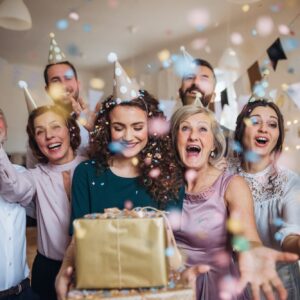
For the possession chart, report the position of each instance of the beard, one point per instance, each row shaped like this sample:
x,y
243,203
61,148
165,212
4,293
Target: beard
x,y
190,99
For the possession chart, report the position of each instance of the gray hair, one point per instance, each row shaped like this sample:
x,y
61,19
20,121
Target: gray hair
x,y
189,110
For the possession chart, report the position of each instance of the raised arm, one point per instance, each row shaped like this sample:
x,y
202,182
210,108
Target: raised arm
x,y
15,185
258,264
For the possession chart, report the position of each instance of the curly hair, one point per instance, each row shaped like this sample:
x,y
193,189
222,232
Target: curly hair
x,y
71,124
158,152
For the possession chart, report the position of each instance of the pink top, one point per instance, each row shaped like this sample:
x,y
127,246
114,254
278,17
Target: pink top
x,y
44,184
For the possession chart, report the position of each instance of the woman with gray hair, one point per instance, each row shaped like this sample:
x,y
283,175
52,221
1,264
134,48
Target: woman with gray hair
x,y
216,202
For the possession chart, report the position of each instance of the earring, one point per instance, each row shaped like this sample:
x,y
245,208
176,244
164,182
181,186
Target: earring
x,y
212,154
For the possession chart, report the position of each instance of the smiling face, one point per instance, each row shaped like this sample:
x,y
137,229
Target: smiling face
x,y
62,83
53,138
200,81
262,133
195,141
129,126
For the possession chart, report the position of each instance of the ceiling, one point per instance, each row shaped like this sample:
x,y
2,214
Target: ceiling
x,y
127,27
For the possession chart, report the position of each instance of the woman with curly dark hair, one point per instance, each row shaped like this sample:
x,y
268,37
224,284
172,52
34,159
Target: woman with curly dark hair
x,y
53,138
275,190
132,165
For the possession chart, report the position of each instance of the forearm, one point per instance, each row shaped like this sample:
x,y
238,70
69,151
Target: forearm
x,y
15,185
69,257
292,244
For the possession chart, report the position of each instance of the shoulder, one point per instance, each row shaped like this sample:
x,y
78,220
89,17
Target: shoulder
x,y
236,187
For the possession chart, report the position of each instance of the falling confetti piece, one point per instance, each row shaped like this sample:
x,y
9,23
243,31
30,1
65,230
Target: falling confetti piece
x,y
62,24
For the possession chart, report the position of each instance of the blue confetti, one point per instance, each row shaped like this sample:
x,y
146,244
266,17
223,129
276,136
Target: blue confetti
x,y
278,236
115,147
290,44
172,284
254,32
278,222
69,74
62,24
236,146
252,156
169,251
87,28
102,183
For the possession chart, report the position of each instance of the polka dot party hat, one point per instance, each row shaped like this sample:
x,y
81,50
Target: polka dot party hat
x,y
55,53
124,89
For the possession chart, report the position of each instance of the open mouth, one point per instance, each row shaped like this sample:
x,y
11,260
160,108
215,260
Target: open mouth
x,y
54,146
261,140
193,149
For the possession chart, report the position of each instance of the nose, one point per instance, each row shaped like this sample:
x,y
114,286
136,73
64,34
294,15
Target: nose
x,y
49,134
128,135
263,127
193,135
197,81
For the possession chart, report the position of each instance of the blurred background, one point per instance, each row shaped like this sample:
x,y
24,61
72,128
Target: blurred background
x,y
236,36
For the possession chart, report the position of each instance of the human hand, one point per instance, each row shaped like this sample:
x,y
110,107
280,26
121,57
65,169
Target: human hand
x,y
63,282
189,275
258,267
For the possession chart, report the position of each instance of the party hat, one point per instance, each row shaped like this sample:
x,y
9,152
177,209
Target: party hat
x,y
55,53
185,64
30,103
124,89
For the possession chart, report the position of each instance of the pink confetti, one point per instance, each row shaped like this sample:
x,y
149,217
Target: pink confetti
x,y
155,172
128,204
264,25
236,38
190,175
158,126
199,18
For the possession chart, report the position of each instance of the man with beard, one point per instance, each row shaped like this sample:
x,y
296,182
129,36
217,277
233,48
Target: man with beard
x,y
198,88
198,84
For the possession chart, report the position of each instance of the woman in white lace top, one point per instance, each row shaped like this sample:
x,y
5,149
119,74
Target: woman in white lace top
x,y
259,138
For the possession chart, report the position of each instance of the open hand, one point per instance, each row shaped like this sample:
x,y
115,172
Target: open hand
x,y
258,267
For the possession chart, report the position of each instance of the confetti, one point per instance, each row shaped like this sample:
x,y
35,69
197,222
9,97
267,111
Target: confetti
x,y
154,173
115,147
62,24
240,243
264,25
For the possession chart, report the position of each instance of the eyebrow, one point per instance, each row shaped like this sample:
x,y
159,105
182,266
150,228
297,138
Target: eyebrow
x,y
51,123
273,117
200,122
133,124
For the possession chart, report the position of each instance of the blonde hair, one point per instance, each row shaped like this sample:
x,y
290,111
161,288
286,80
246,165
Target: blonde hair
x,y
189,110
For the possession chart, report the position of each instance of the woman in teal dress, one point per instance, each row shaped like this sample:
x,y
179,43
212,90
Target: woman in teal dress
x,y
129,167
132,165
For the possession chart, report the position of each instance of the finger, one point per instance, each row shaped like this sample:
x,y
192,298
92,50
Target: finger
x,y
255,292
278,285
82,103
268,291
200,269
286,256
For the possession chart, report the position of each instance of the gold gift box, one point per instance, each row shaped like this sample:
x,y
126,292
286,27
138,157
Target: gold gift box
x,y
120,253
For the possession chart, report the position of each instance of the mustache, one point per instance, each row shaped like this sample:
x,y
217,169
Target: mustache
x,y
192,89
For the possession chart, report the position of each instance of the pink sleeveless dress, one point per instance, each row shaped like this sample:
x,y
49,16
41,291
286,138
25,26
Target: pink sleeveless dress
x,y
203,238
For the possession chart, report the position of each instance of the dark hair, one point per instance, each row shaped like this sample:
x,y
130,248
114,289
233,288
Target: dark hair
x,y
205,63
71,124
58,63
158,152
246,112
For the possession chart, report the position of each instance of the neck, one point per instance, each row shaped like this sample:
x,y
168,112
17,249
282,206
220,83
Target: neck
x,y
256,167
124,167
198,178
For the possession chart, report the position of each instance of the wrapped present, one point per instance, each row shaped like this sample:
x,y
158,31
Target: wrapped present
x,y
120,251
178,293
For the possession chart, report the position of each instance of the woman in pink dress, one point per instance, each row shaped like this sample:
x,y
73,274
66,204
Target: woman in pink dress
x,y
212,198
